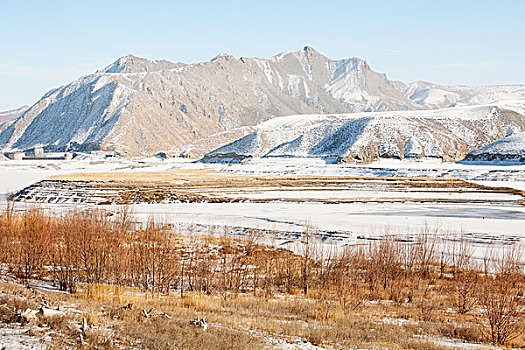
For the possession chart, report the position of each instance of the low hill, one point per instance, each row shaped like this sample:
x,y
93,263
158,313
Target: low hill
x,y
510,149
448,134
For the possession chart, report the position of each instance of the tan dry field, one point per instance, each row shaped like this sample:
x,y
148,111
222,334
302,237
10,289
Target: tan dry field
x,y
221,187
145,176
225,179
414,312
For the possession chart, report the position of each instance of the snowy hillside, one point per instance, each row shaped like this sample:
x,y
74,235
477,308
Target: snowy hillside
x,y
8,116
80,113
511,149
447,134
138,106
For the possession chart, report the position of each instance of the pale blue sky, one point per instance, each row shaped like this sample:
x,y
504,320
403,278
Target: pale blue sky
x,y
45,44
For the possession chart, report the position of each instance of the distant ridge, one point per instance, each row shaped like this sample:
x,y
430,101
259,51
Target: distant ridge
x,y
8,116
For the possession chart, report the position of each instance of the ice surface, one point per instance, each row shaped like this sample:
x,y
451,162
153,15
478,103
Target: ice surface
x,y
496,220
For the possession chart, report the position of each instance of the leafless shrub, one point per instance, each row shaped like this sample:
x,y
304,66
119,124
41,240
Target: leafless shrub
x,y
500,296
466,278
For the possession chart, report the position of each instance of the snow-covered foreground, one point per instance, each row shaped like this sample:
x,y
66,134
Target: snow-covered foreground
x,y
495,218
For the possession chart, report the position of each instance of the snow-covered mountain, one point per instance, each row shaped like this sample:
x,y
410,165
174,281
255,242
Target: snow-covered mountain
x,y
8,116
448,134
431,95
510,149
138,106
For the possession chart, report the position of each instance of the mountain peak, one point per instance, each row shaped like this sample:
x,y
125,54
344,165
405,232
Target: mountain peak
x,y
134,64
149,105
309,49
223,56
305,51
123,64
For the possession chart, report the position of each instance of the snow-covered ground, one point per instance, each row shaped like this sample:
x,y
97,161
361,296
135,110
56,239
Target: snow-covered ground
x,y
497,219
356,219
17,338
500,175
17,174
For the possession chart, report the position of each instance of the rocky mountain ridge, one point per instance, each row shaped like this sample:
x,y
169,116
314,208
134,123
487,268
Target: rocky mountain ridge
x,y
138,107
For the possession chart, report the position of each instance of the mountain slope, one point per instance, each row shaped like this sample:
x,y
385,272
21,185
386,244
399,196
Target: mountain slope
x,y
447,133
137,106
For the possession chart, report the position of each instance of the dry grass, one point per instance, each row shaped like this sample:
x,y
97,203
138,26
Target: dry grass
x,y
167,176
384,294
245,322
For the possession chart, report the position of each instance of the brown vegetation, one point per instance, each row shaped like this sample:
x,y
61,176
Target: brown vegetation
x,y
331,298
